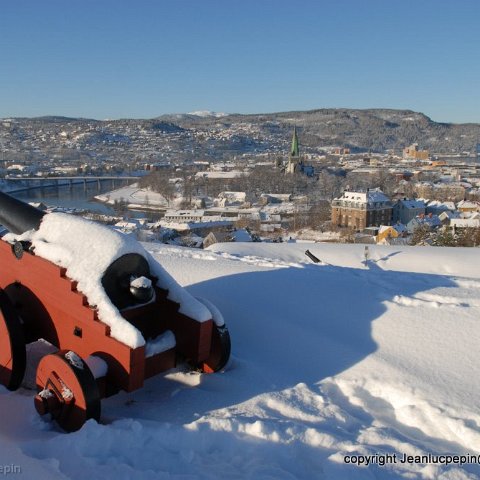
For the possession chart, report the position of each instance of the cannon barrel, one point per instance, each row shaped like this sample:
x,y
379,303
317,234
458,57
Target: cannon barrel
x,y
18,216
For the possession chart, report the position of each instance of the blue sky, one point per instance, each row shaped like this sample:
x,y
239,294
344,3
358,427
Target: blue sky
x,y
143,58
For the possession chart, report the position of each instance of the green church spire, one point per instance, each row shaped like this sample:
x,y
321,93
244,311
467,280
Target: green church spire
x,y
294,149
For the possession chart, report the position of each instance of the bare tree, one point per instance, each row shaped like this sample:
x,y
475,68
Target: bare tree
x,y
159,181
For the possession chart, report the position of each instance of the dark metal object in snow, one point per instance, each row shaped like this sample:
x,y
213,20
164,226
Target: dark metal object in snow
x,y
17,216
311,256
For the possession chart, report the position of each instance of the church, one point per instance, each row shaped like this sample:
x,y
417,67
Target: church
x,y
295,162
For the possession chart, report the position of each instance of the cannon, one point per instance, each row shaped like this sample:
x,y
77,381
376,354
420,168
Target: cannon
x,y
112,315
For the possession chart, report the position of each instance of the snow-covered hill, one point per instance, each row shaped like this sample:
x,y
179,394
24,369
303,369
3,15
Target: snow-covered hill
x,y
330,361
207,113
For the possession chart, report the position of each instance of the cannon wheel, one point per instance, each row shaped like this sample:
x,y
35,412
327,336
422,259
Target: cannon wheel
x,y
67,390
219,350
220,345
12,345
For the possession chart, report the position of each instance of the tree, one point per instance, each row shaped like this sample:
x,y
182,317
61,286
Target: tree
x,y
385,181
319,214
329,186
420,235
120,207
444,238
469,237
159,181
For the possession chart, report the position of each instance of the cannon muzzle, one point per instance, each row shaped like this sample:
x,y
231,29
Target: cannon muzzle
x,y
18,216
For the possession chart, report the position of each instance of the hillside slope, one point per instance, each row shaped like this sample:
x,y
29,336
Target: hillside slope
x,y
360,129
190,137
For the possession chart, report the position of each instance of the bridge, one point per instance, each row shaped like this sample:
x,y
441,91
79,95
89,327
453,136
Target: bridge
x,y
68,180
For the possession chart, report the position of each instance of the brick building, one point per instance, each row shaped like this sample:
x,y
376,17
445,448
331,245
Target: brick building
x,y
359,210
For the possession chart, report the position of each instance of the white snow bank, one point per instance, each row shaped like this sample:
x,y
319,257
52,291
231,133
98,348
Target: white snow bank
x,y
435,260
86,249
134,195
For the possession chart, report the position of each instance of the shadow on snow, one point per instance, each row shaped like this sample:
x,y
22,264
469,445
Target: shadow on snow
x,y
288,326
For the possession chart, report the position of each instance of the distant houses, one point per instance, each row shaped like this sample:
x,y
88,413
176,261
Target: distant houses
x,y
376,219
412,152
392,235
406,210
429,221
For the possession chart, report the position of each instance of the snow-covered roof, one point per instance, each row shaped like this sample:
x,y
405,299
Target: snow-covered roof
x,y
371,196
448,214
412,203
442,205
204,223
286,197
128,224
431,220
467,204
400,227
231,174
238,196
384,228
465,222
184,213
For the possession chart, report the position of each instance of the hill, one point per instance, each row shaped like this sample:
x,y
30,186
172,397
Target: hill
x,y
210,136
329,360
367,129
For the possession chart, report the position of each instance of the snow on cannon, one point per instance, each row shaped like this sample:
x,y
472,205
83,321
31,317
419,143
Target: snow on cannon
x,y
114,314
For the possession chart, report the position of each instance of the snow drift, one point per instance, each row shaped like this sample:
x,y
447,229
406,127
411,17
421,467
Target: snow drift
x,y
331,361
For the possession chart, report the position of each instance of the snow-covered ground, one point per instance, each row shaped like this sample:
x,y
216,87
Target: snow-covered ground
x,y
333,362
135,197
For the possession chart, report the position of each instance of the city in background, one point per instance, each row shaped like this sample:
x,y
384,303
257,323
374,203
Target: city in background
x,y
205,177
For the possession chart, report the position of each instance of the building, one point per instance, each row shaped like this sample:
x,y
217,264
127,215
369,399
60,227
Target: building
x,y
295,161
359,210
405,210
274,198
385,234
457,223
413,153
230,199
184,216
341,151
466,206
429,221
436,207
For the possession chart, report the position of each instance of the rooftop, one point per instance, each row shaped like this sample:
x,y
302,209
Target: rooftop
x,y
370,196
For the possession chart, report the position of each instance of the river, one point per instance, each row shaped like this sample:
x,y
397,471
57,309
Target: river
x,y
78,196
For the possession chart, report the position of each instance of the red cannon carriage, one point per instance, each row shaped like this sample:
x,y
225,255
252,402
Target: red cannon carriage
x,y
115,316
